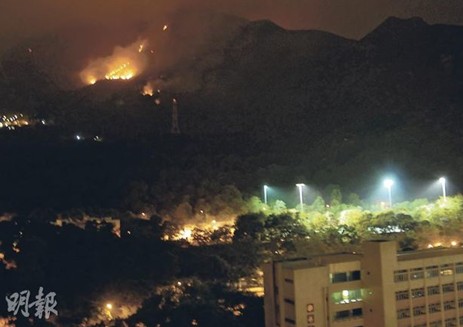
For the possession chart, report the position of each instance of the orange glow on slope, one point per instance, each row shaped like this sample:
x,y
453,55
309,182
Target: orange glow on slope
x,y
148,89
123,71
122,64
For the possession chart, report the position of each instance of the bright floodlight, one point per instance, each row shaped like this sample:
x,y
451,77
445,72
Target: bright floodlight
x,y
388,184
443,181
265,193
300,186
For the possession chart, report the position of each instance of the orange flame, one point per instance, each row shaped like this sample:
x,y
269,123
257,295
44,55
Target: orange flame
x,y
123,64
148,89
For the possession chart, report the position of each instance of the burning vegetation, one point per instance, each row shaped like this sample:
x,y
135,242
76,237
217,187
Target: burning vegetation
x,y
148,89
122,64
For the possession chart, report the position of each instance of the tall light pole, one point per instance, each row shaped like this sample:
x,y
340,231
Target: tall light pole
x,y
300,186
443,181
265,193
388,184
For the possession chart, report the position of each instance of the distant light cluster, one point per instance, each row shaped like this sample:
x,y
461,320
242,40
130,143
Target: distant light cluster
x,y
80,137
14,121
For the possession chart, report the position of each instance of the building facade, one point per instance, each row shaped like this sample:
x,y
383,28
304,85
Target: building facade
x,y
376,288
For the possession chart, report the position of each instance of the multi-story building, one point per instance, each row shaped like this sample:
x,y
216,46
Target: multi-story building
x,y
376,288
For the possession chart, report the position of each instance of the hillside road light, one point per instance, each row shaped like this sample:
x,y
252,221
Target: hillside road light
x,y
443,183
388,184
300,186
265,194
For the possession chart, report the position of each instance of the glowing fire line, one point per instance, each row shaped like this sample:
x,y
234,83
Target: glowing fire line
x,y
122,72
123,64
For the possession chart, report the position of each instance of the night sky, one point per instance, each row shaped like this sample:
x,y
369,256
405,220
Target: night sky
x,y
350,18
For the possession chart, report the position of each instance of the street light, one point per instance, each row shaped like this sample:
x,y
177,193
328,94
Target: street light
x,y
443,181
265,193
300,186
108,312
388,184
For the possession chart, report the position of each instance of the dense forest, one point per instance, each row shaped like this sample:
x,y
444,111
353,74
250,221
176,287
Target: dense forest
x,y
144,274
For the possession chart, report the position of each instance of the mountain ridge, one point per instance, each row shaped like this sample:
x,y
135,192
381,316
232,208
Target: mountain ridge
x,y
291,103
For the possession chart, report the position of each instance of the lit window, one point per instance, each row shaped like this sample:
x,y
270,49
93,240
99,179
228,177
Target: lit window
x,y
347,296
446,270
